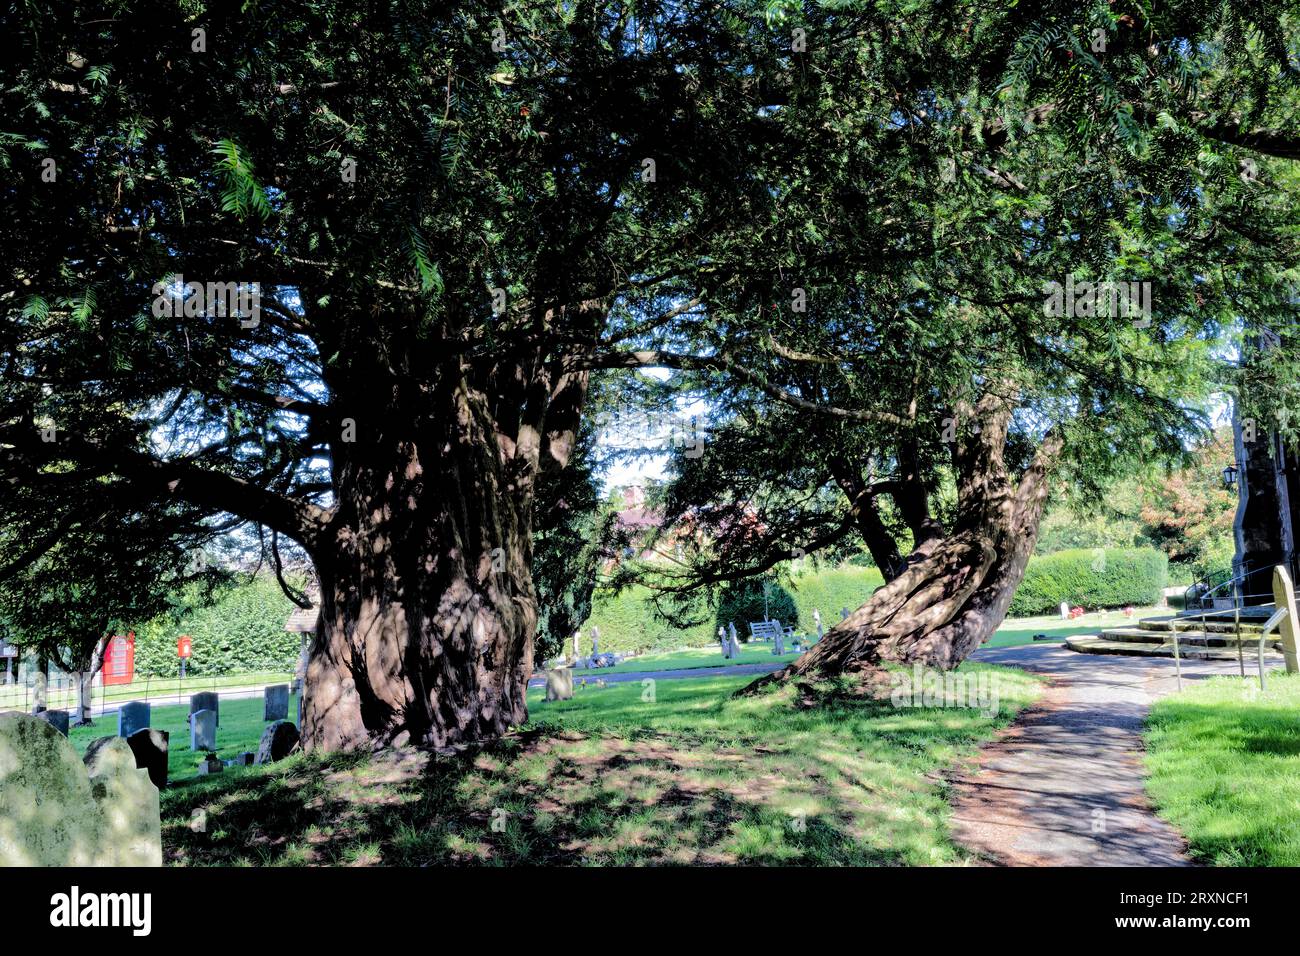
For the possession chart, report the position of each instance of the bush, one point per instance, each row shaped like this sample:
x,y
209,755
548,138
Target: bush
x,y
742,602
830,589
242,632
1097,578
628,624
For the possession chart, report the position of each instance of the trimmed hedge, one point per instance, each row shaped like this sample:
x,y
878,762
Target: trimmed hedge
x,y
627,623
1091,578
242,632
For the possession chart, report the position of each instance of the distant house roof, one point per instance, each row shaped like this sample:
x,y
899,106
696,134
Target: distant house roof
x,y
303,620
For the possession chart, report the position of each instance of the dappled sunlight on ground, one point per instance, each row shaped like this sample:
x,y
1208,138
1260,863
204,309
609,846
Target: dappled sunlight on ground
x,y
681,773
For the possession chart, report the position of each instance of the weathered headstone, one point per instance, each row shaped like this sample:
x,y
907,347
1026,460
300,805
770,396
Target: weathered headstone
x,y
150,749
203,730
1284,596
58,719
278,741
577,651
731,629
733,643
723,642
57,811
1065,610
817,620
559,684
243,759
276,705
595,640
778,643
206,700
211,764
132,716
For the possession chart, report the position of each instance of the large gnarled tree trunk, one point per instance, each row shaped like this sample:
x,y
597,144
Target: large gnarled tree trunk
x,y
427,608
954,590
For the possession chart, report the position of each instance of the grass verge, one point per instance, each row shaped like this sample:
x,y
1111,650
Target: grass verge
x,y
1224,765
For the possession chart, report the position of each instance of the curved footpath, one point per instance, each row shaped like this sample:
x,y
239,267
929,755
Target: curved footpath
x,y
1063,785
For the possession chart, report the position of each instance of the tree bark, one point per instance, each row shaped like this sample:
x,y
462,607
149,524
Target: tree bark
x,y
40,687
955,590
85,683
427,605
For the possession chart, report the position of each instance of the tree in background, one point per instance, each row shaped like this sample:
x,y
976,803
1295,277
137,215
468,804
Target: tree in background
x,y
923,370
104,573
1189,513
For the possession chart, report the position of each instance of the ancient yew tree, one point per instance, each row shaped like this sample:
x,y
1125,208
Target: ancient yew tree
x,y
342,271
1041,249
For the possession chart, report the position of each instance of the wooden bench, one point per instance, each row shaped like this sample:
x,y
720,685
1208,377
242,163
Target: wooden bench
x,y
768,630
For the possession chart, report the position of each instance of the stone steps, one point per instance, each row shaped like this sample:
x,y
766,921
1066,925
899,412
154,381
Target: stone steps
x,y
1186,649
1138,635
1167,625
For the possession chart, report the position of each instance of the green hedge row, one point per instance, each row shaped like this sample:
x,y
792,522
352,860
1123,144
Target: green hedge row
x,y
627,623
1091,578
242,632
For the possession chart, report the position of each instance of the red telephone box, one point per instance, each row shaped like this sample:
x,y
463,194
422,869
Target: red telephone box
x,y
184,647
119,660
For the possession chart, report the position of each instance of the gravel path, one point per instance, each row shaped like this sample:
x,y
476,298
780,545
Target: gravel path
x,y
1063,786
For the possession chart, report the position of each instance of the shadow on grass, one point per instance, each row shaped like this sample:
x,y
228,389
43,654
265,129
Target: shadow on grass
x,y
689,777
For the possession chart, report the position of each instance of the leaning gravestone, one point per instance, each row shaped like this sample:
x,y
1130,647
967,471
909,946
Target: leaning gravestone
x,y
278,741
206,700
203,730
58,719
277,702
150,749
559,684
131,717
55,811
1284,596
778,642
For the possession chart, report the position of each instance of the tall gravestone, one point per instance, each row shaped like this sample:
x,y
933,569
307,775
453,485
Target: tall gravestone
x,y
206,700
132,716
276,704
203,730
150,749
58,719
57,811
1284,596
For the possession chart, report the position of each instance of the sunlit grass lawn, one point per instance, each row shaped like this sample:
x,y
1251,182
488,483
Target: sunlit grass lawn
x,y
692,658
675,772
241,729
1021,630
1224,765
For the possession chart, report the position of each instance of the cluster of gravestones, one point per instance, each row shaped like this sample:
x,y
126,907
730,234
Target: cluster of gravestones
x,y
278,740
149,745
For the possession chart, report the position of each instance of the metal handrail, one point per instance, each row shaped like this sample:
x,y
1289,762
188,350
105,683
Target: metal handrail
x,y
1247,569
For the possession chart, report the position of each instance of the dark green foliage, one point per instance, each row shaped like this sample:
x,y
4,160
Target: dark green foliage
x,y
742,602
572,534
1100,578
